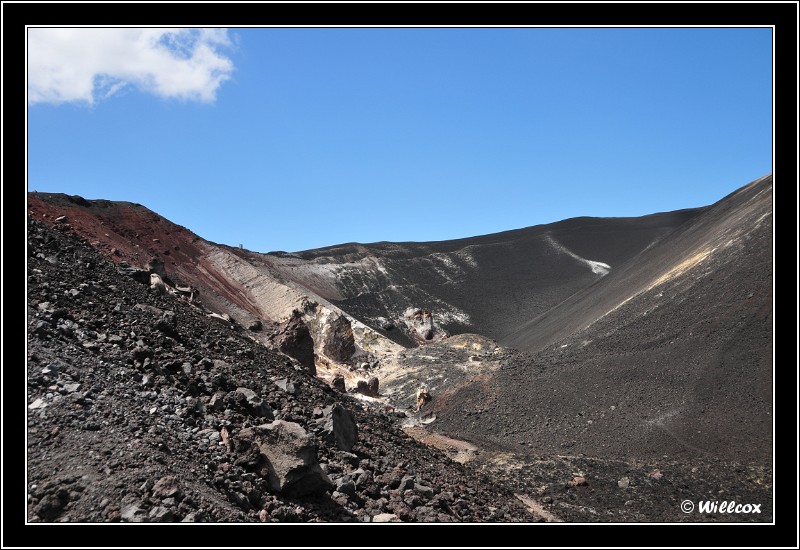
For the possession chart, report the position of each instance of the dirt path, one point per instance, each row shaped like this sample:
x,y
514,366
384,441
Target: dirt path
x,y
460,451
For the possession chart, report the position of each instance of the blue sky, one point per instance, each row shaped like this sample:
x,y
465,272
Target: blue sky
x,y
290,139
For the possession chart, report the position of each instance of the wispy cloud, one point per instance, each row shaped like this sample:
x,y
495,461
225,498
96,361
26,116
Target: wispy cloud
x,y
90,64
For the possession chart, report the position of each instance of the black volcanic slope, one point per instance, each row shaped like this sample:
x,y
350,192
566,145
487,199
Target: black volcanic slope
x,y
669,354
490,285
133,393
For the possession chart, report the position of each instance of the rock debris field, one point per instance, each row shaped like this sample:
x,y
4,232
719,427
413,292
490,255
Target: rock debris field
x,y
142,408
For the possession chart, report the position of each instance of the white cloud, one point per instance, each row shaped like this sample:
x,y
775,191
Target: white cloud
x,y
89,64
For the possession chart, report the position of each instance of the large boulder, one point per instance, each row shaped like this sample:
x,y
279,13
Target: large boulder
x,y
294,339
373,386
338,383
422,327
338,342
368,387
286,455
339,427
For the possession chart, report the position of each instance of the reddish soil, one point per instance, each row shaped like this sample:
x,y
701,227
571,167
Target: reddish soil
x,y
128,232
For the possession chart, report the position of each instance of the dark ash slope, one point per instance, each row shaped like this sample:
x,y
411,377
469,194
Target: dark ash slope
x,y
671,354
488,285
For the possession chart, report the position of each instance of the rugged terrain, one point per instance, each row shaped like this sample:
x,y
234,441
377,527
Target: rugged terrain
x,y
599,369
488,285
671,354
142,408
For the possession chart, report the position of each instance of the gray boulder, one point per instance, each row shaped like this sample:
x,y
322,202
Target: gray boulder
x,y
294,339
339,427
254,404
338,341
131,510
167,487
373,386
287,456
338,383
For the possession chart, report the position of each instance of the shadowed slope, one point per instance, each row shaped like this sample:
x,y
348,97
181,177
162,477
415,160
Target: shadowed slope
x,y
670,354
488,285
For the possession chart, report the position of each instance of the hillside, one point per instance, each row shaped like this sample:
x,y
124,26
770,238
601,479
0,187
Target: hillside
x,y
143,408
489,285
669,354
632,353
